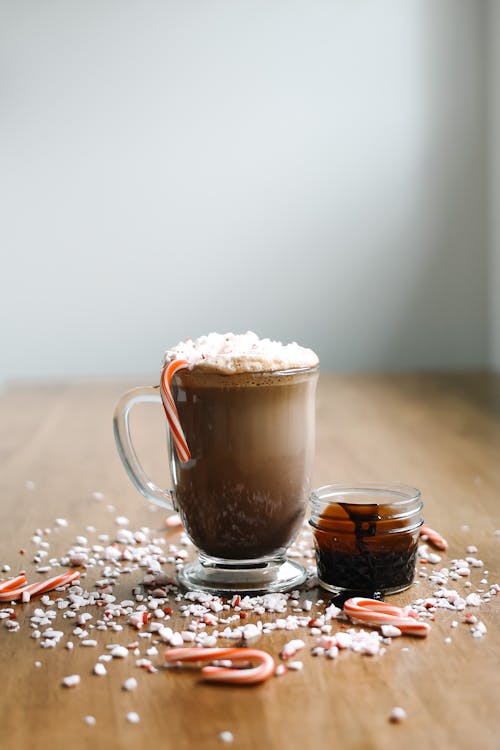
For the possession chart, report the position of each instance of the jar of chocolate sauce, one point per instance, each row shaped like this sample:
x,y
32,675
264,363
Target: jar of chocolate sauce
x,y
366,537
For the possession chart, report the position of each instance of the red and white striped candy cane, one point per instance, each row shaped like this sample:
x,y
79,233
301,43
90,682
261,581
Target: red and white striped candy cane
x,y
13,583
433,537
178,436
249,676
40,587
375,614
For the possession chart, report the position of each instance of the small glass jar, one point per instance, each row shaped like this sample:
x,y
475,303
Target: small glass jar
x,y
366,537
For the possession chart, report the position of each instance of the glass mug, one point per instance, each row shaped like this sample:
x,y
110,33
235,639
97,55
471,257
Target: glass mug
x,y
243,494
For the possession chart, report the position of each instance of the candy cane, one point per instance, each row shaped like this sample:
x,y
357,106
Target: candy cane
x,y
433,537
25,592
374,613
13,583
248,676
178,436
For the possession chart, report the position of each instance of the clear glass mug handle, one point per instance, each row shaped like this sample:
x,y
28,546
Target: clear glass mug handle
x,y
126,451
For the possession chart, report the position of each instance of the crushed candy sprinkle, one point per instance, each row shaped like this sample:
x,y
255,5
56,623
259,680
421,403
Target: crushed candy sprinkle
x,y
154,614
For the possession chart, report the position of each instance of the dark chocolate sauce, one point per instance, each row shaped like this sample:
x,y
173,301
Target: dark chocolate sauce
x,y
356,551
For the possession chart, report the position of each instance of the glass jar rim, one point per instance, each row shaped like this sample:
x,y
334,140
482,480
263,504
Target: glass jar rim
x,y
400,495
401,502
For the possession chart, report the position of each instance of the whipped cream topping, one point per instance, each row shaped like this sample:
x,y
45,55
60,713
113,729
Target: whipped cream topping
x,y
237,353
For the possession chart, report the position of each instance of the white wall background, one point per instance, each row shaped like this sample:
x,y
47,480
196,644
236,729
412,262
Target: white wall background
x,y
311,170
494,178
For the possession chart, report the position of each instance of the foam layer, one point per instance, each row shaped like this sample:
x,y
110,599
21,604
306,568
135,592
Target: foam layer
x,y
237,353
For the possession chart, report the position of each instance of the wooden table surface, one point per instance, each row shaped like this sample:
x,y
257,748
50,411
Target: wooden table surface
x,y
439,433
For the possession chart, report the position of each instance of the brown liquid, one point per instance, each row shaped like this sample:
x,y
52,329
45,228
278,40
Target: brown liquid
x,y
360,549
251,436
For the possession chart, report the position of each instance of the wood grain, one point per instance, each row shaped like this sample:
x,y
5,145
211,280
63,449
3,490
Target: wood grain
x,y
440,433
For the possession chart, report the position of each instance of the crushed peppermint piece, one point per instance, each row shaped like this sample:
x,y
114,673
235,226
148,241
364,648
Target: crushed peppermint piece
x,y
291,648
71,680
119,652
226,737
90,720
130,684
61,522
433,558
133,717
478,630
390,631
331,612
397,715
473,600
100,669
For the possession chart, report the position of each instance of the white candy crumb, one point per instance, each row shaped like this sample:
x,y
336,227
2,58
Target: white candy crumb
x,y
71,680
291,648
390,631
226,737
433,558
119,652
473,600
478,630
38,664
344,640
61,522
331,612
133,717
397,714
130,684
122,521
100,669
173,520
297,666
90,720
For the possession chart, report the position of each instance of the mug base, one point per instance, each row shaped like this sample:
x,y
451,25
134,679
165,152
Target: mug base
x,y
241,577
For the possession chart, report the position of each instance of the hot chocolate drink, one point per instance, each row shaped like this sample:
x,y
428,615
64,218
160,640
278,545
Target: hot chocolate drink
x,y
251,435
240,412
